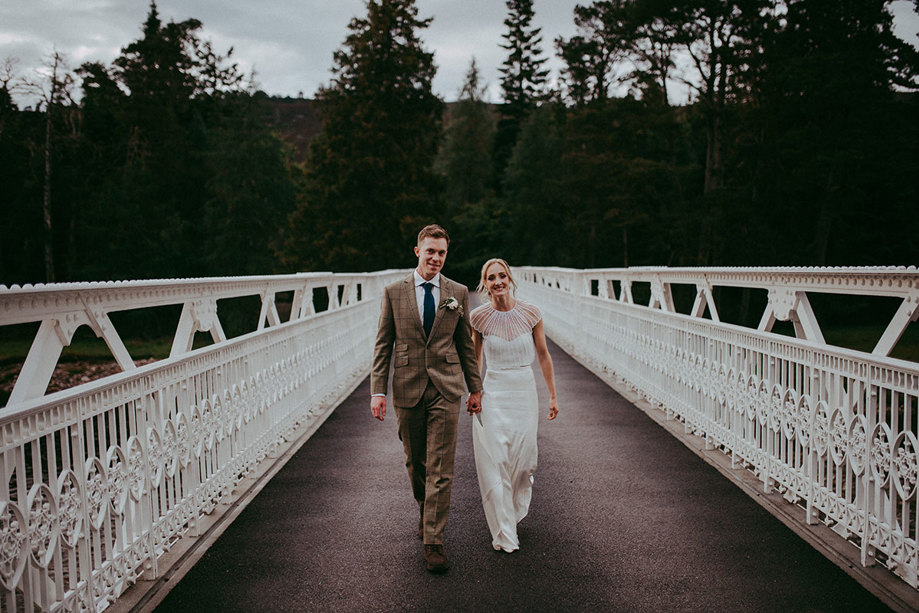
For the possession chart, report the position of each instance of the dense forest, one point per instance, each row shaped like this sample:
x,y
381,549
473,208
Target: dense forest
x,y
799,145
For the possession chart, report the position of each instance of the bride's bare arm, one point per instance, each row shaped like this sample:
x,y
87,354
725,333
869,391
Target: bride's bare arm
x,y
545,363
477,344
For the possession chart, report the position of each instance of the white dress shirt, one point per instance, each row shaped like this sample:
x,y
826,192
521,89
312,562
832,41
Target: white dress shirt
x,y
419,292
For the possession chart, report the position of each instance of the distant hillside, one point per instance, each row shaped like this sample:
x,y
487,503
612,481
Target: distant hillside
x,y
296,121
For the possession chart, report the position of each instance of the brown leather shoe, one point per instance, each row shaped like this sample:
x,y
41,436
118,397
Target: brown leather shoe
x,y
436,561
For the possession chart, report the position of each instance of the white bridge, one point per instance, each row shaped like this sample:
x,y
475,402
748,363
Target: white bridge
x,y
103,481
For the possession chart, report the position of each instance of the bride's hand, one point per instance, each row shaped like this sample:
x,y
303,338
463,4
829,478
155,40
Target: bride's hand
x,y
553,409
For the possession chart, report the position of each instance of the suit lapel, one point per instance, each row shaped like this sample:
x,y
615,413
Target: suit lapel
x,y
411,304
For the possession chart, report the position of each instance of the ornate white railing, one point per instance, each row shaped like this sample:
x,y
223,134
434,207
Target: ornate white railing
x,y
834,430
98,481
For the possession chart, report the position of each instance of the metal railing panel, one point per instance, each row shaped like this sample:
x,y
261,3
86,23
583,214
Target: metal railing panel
x,y
834,430
100,480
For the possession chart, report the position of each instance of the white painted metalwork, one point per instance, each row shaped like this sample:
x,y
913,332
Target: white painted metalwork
x,y
834,430
98,481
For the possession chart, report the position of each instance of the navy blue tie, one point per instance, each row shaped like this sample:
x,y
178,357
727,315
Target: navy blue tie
x,y
428,319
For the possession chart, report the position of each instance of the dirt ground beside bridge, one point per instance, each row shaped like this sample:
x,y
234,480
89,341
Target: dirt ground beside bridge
x,y
66,374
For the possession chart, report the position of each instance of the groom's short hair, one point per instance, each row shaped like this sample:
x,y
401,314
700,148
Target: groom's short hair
x,y
433,231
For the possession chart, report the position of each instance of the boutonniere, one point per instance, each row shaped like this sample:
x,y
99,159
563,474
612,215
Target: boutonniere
x,y
452,304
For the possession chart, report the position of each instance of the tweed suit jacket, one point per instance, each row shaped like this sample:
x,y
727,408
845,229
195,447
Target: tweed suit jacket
x,y
446,357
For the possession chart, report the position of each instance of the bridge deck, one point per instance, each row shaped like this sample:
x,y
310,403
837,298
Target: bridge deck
x,y
624,518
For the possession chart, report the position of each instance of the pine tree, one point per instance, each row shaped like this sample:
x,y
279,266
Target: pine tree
x,y
836,146
369,181
604,38
179,159
464,159
523,78
533,188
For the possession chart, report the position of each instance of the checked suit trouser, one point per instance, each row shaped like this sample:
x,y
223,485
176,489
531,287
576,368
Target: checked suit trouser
x,y
428,435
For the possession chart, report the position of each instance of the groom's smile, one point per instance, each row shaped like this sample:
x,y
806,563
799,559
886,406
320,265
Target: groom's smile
x,y
432,252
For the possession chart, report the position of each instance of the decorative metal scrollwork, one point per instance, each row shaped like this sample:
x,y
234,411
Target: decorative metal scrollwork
x,y
183,440
821,428
196,432
97,492
137,480
857,448
170,448
721,386
239,407
906,465
70,508
209,423
839,437
750,394
229,417
775,408
804,418
789,413
14,544
44,527
218,416
762,404
118,479
880,460
155,456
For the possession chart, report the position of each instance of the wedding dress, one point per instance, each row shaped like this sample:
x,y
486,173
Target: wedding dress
x,y
504,433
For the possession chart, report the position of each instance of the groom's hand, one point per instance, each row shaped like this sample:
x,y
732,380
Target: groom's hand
x,y
378,407
474,403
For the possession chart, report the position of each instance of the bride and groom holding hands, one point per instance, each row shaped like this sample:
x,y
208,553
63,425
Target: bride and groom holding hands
x,y
435,347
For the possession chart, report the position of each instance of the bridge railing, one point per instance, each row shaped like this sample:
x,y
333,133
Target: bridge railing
x,y
834,430
99,480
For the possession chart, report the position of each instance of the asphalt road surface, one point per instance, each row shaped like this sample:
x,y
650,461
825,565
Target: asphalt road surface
x,y
623,518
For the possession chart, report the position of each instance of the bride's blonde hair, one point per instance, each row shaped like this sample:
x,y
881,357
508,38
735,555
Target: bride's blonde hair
x,y
507,268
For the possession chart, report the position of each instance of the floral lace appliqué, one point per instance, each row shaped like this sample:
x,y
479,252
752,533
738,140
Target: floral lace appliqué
x,y
508,325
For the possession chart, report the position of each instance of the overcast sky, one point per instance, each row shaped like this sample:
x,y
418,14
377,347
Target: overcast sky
x,y
289,43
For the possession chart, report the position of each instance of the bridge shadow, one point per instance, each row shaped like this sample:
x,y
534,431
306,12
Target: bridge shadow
x,y
624,518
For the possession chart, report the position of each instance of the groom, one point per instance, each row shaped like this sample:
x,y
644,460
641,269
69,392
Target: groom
x,y
425,317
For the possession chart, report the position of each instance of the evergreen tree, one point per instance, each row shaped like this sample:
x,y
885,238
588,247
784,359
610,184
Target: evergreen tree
x,y
653,46
178,158
722,40
464,159
7,83
523,78
369,181
249,191
605,34
21,245
835,147
533,188
628,172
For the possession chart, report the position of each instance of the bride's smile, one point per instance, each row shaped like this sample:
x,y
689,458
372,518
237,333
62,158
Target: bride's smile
x,y
497,284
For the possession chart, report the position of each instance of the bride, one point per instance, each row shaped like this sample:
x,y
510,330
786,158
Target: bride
x,y
504,434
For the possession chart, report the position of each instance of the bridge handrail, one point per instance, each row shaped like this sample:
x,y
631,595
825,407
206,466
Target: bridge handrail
x,y
835,430
62,308
98,481
787,289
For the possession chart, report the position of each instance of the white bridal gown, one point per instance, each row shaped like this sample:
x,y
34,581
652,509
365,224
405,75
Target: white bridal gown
x,y
504,433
